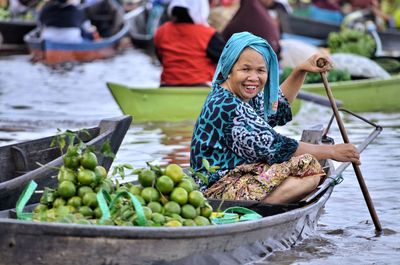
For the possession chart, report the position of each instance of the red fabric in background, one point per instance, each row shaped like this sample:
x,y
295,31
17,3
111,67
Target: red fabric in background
x,y
183,54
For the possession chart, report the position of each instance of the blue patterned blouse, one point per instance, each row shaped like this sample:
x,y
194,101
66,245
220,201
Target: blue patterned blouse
x,y
230,132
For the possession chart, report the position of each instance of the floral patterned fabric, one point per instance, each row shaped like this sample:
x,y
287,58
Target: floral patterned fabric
x,y
230,132
257,181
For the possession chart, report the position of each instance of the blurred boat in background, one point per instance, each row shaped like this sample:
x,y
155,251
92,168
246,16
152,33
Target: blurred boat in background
x,y
12,34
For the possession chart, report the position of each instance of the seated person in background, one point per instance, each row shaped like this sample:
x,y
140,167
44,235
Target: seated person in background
x,y
64,21
107,16
253,16
235,128
187,47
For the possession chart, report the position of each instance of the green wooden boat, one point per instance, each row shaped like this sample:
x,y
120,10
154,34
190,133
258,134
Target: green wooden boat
x,y
369,95
175,104
172,104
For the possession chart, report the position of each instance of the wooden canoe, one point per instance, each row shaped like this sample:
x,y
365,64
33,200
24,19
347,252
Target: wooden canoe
x,y
184,103
51,53
237,243
368,95
12,34
18,162
171,104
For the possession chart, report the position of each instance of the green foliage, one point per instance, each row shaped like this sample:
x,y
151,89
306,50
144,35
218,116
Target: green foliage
x,y
4,14
120,169
351,41
106,150
392,66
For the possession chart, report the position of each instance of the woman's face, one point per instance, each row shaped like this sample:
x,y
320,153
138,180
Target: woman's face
x,y
248,75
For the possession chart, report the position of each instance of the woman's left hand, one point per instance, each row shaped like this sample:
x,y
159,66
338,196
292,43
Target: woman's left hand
x,y
317,63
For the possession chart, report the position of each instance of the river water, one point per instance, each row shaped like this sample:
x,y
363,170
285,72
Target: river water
x,y
35,100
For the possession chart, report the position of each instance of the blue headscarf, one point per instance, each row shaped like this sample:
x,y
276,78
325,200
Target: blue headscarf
x,y
232,50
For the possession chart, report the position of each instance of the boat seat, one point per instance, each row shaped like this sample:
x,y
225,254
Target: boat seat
x,y
25,161
20,160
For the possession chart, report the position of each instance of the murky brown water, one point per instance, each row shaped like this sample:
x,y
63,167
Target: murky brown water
x,y
36,100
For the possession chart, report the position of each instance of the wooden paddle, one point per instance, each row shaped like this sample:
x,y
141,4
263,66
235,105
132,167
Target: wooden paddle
x,y
321,63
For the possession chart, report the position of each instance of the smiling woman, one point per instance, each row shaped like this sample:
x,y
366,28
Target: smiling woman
x,y
234,131
248,76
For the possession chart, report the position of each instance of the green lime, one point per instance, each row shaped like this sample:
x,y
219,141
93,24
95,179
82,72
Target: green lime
x,y
177,217
206,210
165,184
186,184
150,194
195,186
146,178
172,207
201,220
90,199
58,202
84,189
188,211
66,189
86,176
72,209
196,198
97,212
147,212
189,222
158,218
66,174
75,201
83,222
173,223
71,161
40,207
86,211
88,160
107,185
62,210
155,207
179,195
73,150
100,172
135,190
175,172
51,215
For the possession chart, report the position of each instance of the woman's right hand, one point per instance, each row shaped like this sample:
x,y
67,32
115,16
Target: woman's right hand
x,y
345,153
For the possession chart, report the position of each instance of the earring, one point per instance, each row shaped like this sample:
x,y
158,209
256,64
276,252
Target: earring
x,y
229,76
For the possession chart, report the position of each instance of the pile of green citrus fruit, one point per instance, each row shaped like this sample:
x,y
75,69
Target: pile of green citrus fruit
x,y
74,200
168,197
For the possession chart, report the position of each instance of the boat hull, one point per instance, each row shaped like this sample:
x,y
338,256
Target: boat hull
x,y
51,53
238,243
19,162
370,95
172,104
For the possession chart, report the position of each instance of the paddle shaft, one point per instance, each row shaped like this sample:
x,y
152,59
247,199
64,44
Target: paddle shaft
x,y
356,168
